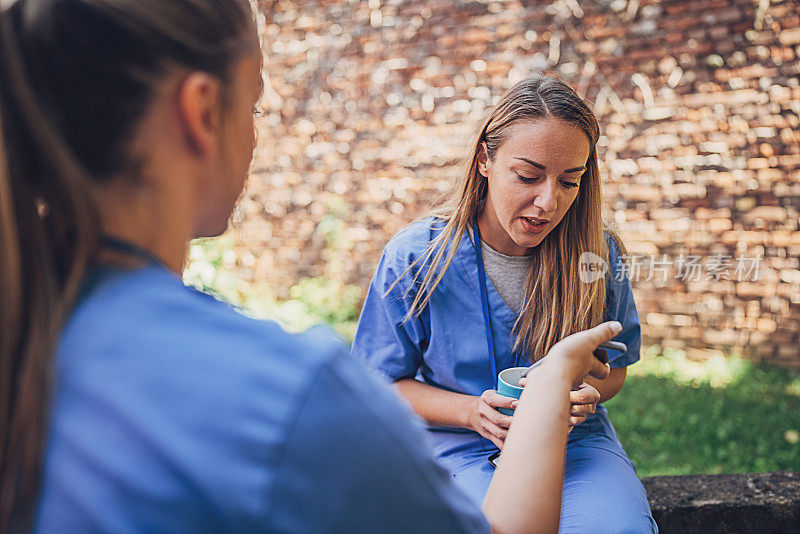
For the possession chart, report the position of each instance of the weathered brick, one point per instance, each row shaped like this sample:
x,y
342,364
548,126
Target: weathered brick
x,y
769,213
717,164
789,36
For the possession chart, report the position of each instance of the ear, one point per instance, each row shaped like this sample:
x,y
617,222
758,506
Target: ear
x,y
483,159
199,112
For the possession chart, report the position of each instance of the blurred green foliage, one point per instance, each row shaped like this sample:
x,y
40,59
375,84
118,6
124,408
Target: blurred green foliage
x,y
212,268
674,415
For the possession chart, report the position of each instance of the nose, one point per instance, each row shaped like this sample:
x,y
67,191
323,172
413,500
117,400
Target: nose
x,y
545,198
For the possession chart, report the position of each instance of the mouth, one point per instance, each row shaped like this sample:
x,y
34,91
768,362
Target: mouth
x,y
535,221
533,224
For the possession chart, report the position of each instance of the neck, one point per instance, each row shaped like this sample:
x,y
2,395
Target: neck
x,y
494,235
147,219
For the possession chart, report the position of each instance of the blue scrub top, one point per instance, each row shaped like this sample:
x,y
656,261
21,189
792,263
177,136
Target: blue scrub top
x,y
174,413
445,346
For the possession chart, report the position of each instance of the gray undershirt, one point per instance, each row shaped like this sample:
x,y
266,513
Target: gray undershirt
x,y
507,274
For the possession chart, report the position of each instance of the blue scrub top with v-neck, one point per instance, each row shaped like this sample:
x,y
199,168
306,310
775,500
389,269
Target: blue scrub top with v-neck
x,y
445,346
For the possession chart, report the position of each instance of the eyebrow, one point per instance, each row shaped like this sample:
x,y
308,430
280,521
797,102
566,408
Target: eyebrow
x,y
542,167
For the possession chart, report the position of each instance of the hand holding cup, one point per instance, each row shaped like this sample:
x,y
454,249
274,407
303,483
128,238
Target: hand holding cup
x,y
576,356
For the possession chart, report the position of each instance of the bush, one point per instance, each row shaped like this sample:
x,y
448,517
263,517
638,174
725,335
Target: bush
x,y
212,269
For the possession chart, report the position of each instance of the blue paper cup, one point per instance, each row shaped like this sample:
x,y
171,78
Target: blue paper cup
x,y
508,385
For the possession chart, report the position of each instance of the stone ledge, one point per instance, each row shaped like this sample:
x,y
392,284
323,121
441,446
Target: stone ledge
x,y
751,503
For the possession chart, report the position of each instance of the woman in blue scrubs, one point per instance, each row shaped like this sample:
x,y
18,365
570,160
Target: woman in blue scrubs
x,y
132,403
497,276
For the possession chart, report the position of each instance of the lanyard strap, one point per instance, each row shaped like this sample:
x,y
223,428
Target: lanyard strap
x,y
484,301
123,246
96,274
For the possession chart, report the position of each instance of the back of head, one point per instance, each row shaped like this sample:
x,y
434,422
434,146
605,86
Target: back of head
x,y
75,78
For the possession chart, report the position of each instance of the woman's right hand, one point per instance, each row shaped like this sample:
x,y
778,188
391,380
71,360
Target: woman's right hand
x,y
575,353
486,420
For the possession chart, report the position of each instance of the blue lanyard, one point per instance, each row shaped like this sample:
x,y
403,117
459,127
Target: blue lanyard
x,y
122,246
484,301
97,273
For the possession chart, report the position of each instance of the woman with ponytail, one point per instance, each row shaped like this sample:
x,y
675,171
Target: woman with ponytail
x,y
132,403
493,280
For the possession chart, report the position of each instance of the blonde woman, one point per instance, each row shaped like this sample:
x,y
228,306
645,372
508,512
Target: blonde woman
x,y
491,281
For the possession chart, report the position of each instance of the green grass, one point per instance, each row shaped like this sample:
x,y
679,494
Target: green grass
x,y
726,415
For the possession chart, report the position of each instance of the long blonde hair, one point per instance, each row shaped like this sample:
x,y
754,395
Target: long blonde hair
x,y
556,302
76,76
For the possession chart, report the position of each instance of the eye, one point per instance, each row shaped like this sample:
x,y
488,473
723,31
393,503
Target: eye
x,y
525,179
259,111
568,185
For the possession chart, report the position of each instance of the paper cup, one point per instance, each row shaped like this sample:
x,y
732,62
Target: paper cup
x,y
508,385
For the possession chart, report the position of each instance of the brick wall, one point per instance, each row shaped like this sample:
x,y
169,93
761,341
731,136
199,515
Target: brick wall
x,y
370,105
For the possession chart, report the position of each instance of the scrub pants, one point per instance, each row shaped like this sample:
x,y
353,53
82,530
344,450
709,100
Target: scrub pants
x,y
602,494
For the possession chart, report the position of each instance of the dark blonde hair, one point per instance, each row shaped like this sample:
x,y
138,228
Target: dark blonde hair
x,y
556,302
75,78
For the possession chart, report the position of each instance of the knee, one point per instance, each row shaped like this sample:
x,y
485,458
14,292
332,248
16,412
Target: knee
x,y
640,524
608,524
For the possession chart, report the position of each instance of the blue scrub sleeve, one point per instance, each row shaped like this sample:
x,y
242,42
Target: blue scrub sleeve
x,y
621,307
385,342
358,459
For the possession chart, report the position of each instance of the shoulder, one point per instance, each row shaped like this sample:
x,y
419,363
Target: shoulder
x,y
147,338
614,244
145,330
615,253
412,241
153,308
404,250
617,282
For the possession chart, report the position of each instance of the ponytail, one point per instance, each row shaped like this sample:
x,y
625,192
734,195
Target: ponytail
x,y
47,235
58,137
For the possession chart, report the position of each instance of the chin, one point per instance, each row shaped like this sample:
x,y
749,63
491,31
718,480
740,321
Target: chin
x,y
212,228
214,220
213,233
531,241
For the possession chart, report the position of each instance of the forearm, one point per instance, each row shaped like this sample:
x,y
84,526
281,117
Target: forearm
x,y
609,386
438,407
525,493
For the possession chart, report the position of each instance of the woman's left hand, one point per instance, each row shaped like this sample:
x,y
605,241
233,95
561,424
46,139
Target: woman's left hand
x,y
583,402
